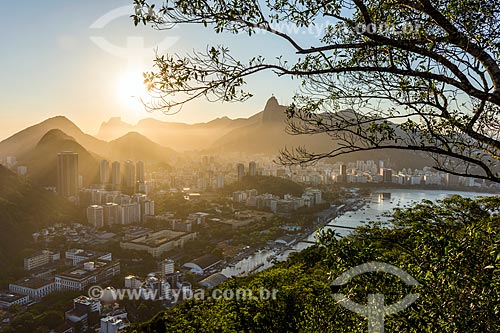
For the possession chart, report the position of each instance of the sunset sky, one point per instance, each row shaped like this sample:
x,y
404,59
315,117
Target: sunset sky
x,y
70,58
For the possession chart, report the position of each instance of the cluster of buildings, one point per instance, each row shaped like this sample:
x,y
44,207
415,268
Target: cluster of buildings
x,y
167,285
106,208
287,204
10,162
371,172
205,173
215,172
176,224
83,269
74,233
106,203
100,316
130,178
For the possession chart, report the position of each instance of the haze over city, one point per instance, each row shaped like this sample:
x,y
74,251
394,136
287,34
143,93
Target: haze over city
x,y
249,166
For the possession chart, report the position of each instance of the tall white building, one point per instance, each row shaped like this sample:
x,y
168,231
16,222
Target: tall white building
x,y
133,282
112,213
116,177
104,172
240,169
129,175
220,181
95,216
147,206
316,195
252,168
67,174
140,173
130,213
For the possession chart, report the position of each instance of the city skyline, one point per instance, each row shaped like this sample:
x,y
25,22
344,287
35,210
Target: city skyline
x,y
250,165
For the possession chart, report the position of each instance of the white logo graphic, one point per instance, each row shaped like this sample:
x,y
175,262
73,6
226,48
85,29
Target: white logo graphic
x,y
375,310
135,50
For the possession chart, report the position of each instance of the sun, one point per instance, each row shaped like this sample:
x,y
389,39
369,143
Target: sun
x,y
131,89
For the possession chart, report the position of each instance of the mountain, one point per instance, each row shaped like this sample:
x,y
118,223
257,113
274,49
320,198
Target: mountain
x,y
25,140
273,112
114,128
134,146
24,209
178,136
62,129
42,159
268,135
263,133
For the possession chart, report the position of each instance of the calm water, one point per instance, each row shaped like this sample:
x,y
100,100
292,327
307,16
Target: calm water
x,y
376,205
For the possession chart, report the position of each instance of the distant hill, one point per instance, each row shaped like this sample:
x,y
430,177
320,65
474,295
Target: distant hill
x,y
269,136
42,159
25,140
263,133
113,129
134,146
37,147
178,136
25,208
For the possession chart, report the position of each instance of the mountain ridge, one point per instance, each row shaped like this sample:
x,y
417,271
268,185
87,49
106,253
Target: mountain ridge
x,y
262,133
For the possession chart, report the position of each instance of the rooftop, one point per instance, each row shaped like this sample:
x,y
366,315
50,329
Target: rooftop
x,y
158,238
33,283
85,300
77,313
206,261
80,272
213,280
10,297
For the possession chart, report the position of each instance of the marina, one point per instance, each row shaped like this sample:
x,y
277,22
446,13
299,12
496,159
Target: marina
x,y
360,212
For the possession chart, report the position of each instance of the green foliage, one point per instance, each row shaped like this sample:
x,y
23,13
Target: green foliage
x,y
24,209
376,74
451,248
51,319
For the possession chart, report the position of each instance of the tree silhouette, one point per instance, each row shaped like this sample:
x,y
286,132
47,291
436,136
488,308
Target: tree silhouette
x,y
386,74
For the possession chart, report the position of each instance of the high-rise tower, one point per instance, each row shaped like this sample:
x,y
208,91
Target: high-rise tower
x,y
116,177
67,174
104,172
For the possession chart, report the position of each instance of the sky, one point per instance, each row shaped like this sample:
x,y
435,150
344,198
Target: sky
x,y
81,59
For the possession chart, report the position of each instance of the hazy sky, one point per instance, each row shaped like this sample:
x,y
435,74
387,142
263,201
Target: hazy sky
x,y
79,58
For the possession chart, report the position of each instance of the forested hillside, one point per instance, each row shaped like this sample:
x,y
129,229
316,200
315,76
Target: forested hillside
x,y
25,208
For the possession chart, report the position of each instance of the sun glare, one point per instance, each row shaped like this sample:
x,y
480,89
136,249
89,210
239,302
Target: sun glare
x,y
131,89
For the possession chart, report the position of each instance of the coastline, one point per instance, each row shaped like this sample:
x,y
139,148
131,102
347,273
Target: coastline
x,y
390,186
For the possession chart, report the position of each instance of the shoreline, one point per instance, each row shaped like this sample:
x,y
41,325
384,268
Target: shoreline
x,y
324,218
386,186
